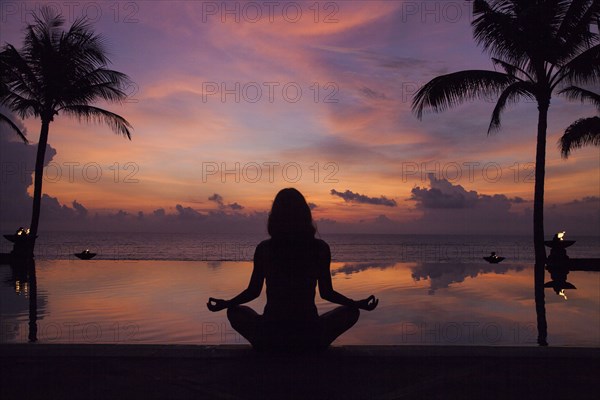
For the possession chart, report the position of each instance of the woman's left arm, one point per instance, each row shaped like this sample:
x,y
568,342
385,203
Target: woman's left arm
x,y
326,286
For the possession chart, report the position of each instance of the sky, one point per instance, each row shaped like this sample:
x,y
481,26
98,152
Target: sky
x,y
233,101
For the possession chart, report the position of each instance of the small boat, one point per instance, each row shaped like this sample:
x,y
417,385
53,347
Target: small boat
x,y
493,258
85,255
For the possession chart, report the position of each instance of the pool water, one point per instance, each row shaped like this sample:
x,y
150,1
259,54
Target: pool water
x,y
146,301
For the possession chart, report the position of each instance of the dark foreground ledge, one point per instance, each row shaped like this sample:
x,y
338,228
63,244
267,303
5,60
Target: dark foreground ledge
x,y
346,372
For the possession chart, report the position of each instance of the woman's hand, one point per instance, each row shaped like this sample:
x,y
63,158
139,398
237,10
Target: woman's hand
x,y
368,304
215,305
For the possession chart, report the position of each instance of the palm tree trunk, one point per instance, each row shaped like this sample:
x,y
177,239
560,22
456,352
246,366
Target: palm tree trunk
x,y
538,223
37,186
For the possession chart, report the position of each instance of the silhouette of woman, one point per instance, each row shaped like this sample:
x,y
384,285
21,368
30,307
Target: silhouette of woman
x,y
292,262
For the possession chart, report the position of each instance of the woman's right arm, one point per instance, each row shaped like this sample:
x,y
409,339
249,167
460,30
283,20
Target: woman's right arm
x,y
250,293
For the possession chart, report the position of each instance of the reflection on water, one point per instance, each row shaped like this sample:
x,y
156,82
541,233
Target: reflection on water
x,y
107,301
25,304
441,276
351,268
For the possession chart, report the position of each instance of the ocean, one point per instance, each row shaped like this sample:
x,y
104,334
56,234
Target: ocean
x,y
344,247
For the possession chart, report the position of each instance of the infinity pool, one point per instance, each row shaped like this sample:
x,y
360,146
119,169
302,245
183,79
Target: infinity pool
x,y
146,301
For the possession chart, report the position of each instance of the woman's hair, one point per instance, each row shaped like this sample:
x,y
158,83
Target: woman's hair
x,y
290,216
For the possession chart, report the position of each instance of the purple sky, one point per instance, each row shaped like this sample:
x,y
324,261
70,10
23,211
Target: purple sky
x,y
314,95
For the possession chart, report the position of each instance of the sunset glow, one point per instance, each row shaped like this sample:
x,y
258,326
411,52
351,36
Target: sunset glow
x,y
314,95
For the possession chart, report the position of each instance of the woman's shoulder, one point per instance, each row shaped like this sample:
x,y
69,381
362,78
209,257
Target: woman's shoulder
x,y
269,244
317,241
321,244
264,245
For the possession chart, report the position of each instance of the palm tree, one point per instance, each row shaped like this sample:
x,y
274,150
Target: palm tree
x,y
540,46
584,131
59,71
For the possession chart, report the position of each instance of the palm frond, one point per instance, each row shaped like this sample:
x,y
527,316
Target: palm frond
x,y
87,113
22,106
572,15
577,93
520,31
511,69
14,127
583,132
449,90
91,45
87,94
17,73
100,83
574,32
495,28
510,95
583,68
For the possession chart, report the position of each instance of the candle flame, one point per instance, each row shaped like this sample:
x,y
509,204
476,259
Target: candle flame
x,y
23,231
563,294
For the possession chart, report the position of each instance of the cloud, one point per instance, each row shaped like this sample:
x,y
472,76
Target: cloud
x,y
217,198
350,196
442,194
577,217
235,206
448,208
584,200
372,94
451,208
312,206
187,212
518,200
80,209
